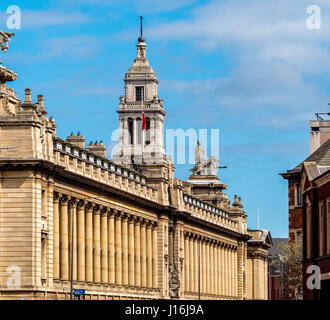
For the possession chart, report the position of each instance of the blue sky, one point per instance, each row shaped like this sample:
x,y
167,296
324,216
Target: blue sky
x,y
250,68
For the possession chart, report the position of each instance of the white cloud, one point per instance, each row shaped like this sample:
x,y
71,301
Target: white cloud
x,y
47,18
264,28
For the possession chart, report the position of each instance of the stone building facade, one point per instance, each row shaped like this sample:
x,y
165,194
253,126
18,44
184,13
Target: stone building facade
x,y
67,213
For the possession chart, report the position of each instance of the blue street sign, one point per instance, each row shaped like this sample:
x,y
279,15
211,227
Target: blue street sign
x,y
79,292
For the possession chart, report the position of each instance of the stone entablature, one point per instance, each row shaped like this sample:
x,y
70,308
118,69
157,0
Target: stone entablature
x,y
102,169
209,213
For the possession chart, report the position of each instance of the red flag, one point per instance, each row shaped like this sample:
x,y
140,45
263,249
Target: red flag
x,y
143,121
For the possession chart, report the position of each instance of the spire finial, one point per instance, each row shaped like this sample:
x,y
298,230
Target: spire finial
x,y
141,38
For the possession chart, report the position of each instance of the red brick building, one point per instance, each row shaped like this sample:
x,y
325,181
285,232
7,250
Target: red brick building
x,y
315,186
319,145
320,133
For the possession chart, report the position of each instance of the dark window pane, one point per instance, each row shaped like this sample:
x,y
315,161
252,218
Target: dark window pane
x,y
139,93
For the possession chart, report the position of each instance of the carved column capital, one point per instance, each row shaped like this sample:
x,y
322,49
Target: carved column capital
x,y
154,224
81,203
73,203
96,209
64,199
117,214
104,211
57,196
90,205
131,218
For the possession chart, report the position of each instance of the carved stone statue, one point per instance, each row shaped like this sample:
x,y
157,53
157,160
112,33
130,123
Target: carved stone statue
x,y
4,39
173,282
202,166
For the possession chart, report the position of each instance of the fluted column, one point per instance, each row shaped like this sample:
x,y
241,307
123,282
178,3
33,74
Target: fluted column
x,y
131,265
203,267
89,242
227,270
231,269
64,238
149,255
97,245
137,251
143,254
56,230
118,252
81,239
233,273
219,268
195,241
111,246
212,267
208,267
104,245
236,277
124,245
223,291
191,265
73,237
186,261
154,256
216,271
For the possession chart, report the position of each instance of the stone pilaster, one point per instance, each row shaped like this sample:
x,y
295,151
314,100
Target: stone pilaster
x,y
111,246
64,238
131,264
118,248
154,256
89,242
56,237
81,240
104,245
149,255
137,251
97,245
143,253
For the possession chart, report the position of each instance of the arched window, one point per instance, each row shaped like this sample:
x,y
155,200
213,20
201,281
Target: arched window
x,y
130,131
147,130
139,130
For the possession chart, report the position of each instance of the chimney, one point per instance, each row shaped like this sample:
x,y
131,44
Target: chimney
x,y
320,132
41,104
98,148
28,106
28,96
77,140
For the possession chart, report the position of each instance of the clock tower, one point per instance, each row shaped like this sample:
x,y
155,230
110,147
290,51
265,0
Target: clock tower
x,y
141,105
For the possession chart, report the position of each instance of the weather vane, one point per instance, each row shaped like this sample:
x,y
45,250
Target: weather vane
x,y
4,39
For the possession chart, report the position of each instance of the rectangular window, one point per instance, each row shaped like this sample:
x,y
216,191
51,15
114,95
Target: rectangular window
x,y
309,243
298,195
43,257
130,130
321,227
139,93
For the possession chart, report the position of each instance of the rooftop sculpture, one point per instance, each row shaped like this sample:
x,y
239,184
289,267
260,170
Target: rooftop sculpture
x,y
4,39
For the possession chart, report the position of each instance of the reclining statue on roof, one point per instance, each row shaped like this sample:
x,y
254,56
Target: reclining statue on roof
x,y
204,167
